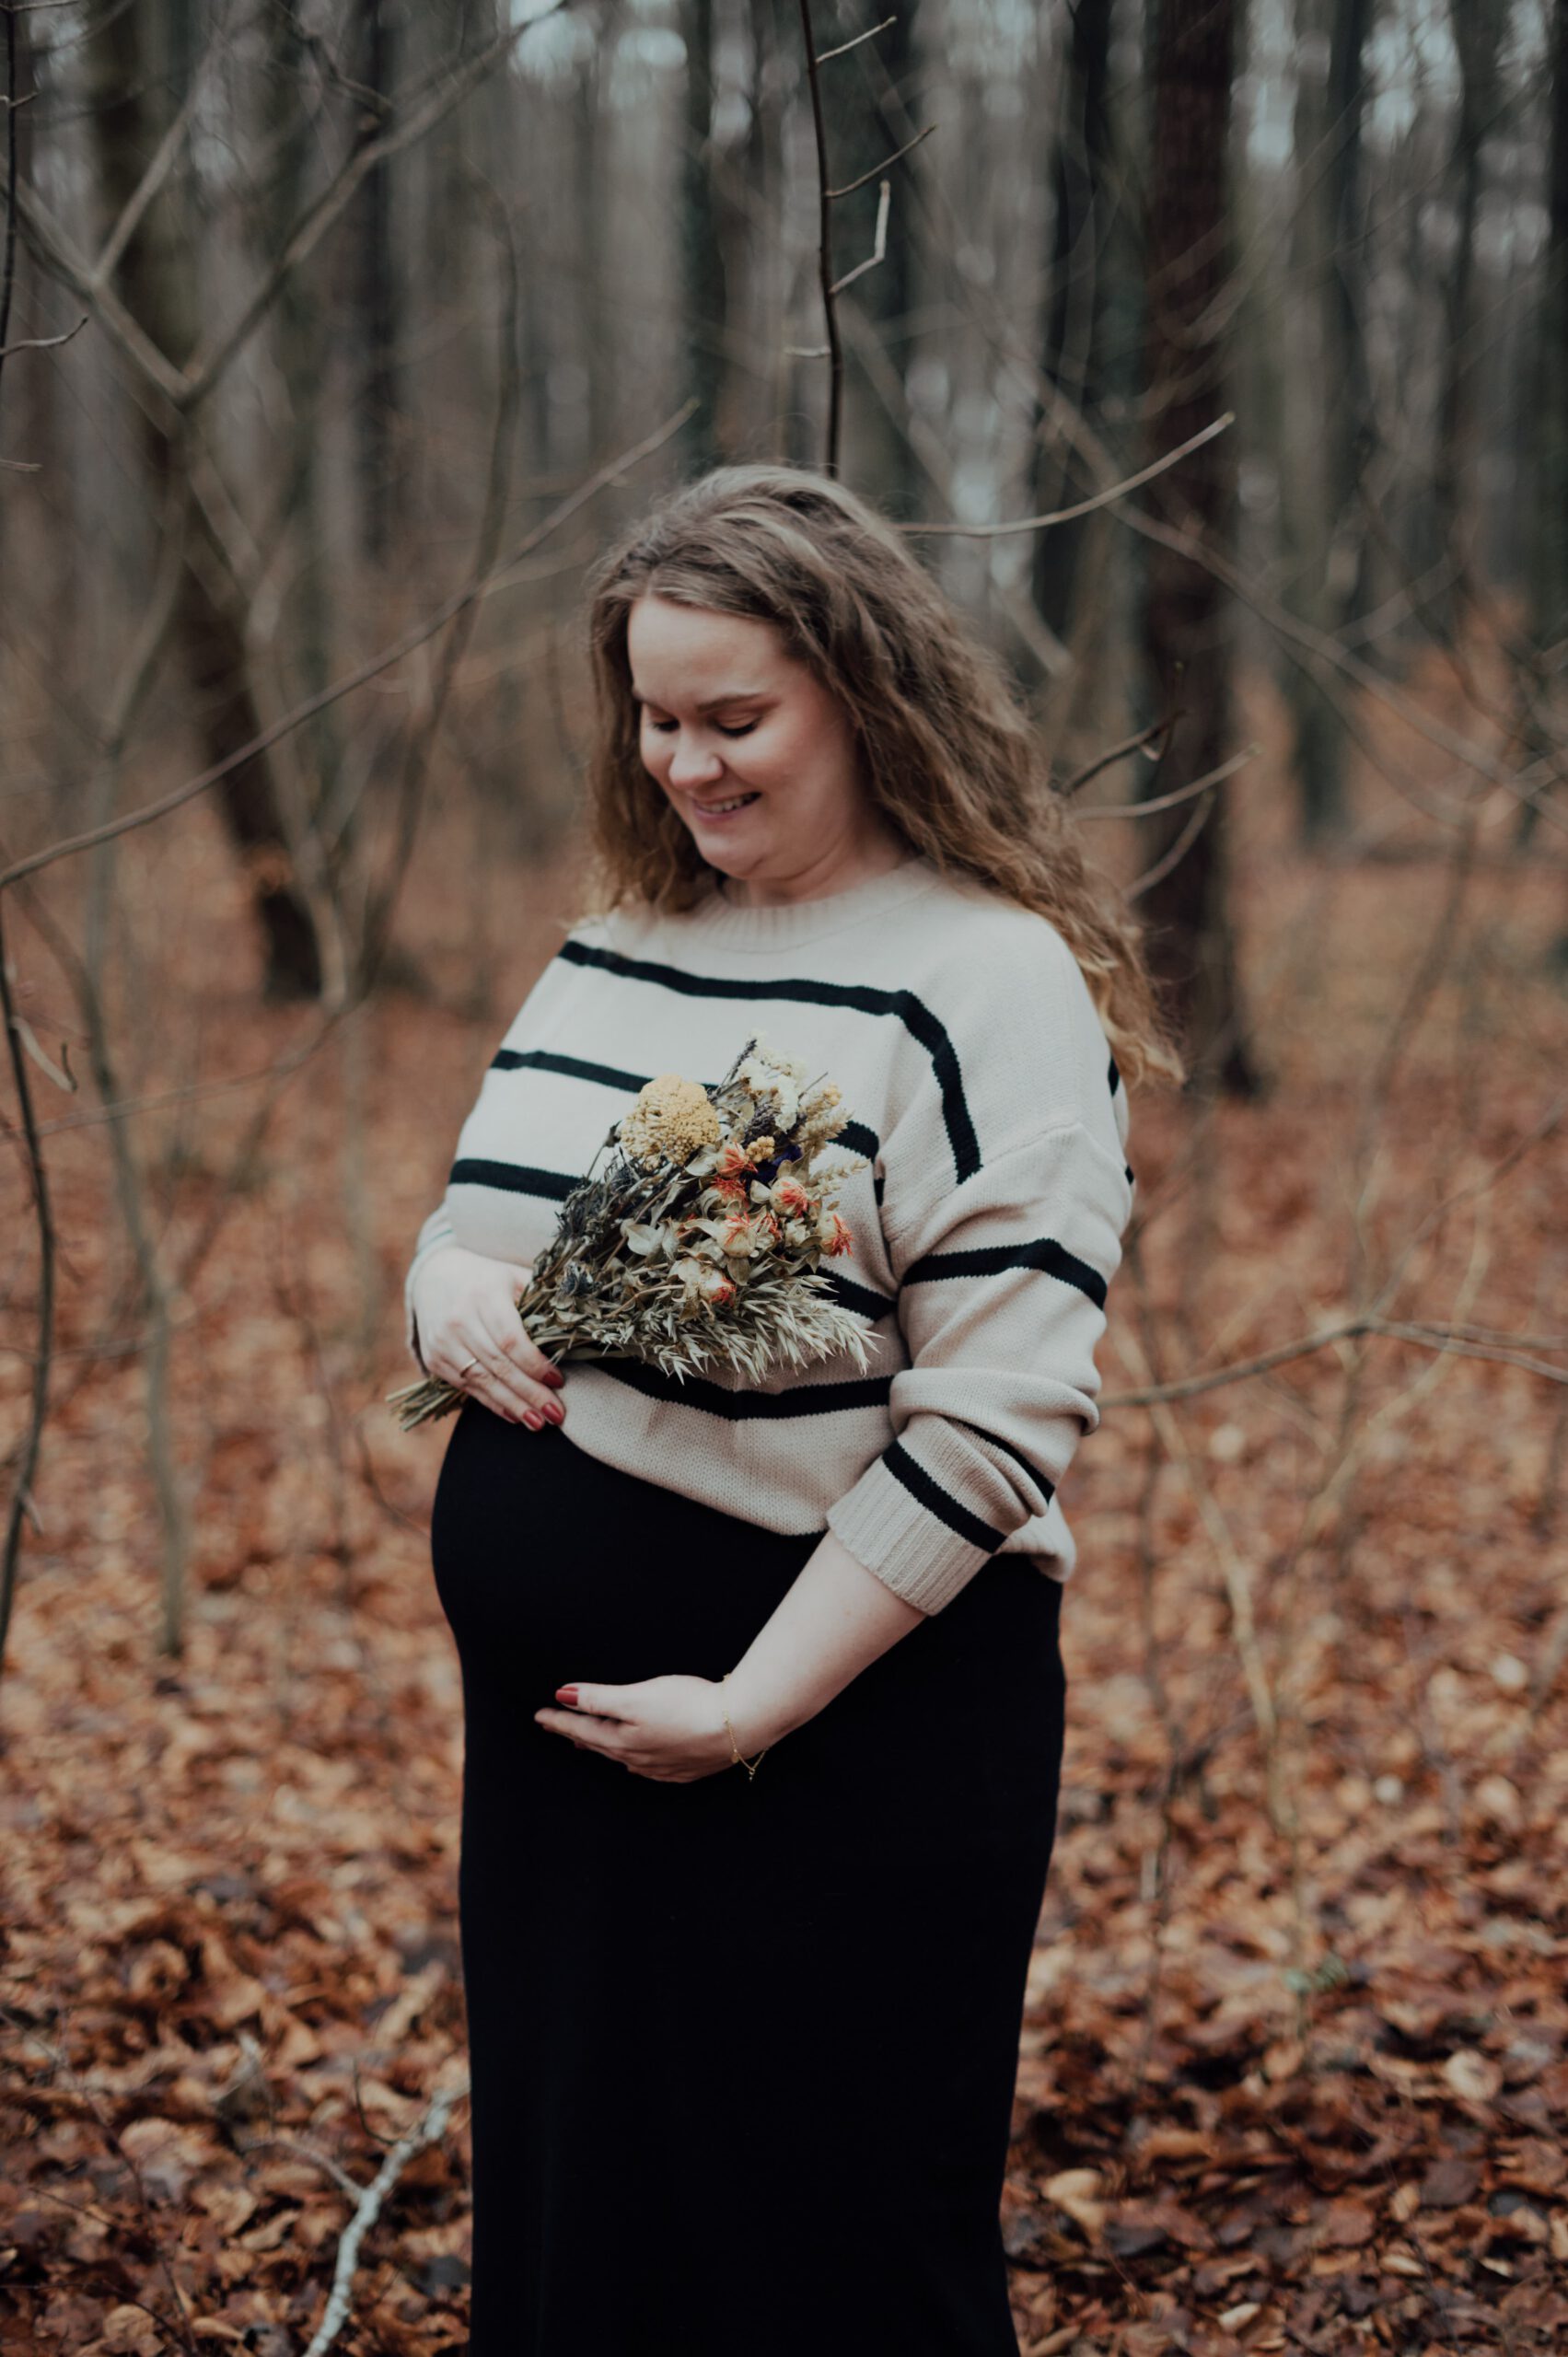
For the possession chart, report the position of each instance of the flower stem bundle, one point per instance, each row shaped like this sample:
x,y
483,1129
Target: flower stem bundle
x,y
697,1247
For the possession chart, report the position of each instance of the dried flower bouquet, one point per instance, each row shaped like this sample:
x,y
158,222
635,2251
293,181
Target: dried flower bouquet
x,y
697,1246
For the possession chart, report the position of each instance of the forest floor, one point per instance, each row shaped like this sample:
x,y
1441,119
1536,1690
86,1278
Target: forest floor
x,y
1294,2067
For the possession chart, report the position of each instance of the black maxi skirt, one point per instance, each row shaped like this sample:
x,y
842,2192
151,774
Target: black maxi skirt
x,y
742,2051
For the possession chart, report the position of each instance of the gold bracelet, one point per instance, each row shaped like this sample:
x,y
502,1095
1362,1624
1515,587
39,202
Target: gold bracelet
x,y
751,1765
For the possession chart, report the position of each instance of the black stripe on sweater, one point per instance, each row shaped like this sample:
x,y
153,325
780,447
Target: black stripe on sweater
x,y
938,1501
903,1005
512,1178
860,1298
855,1137
573,1067
1041,1252
1007,1449
745,1407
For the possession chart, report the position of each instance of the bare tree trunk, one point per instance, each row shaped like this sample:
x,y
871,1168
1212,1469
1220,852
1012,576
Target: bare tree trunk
x,y
1186,619
375,299
592,160
301,348
1548,452
1325,405
137,64
1478,32
870,102
702,254
1074,356
764,165
1548,507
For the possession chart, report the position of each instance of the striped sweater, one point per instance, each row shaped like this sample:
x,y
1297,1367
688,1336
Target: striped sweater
x,y
986,1222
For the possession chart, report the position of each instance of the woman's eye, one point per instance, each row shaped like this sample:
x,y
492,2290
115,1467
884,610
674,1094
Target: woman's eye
x,y
662,727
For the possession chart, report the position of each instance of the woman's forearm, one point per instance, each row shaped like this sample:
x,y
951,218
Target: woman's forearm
x,y
835,1619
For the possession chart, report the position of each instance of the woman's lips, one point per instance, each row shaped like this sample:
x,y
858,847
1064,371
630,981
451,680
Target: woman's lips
x,y
710,813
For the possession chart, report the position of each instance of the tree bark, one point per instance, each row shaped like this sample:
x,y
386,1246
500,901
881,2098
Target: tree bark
x,y
1074,356
376,293
869,101
702,277
1478,31
1549,539
1326,403
1186,617
138,66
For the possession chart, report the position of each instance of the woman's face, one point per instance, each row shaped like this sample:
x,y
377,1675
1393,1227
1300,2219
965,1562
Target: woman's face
x,y
725,714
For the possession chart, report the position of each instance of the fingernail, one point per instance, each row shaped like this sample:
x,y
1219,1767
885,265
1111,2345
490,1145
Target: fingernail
x,y
554,1377
567,1694
533,1419
555,1412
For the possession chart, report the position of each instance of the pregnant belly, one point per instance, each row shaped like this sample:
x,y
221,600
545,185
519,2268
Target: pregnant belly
x,y
551,1566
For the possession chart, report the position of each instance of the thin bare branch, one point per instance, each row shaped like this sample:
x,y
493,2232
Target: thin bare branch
x,y
845,46
1085,507
849,186
879,242
43,342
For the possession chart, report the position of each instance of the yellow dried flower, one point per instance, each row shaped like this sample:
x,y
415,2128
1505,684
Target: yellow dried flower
x,y
671,1117
822,1119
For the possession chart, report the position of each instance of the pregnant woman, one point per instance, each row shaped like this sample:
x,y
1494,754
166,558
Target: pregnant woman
x,y
763,1692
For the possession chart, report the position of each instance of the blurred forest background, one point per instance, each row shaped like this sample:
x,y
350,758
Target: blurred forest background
x,y
334,341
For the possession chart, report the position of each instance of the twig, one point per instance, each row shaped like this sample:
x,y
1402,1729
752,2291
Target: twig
x,y
1441,1339
1085,507
849,186
845,46
427,2130
1194,826
879,242
43,342
1145,736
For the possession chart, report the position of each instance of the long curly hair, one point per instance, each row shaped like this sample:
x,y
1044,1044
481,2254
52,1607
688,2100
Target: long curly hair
x,y
947,756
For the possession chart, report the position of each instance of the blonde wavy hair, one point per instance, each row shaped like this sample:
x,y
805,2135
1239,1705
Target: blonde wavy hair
x,y
948,758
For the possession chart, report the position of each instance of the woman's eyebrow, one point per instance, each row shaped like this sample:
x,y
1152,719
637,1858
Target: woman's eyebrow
x,y
711,703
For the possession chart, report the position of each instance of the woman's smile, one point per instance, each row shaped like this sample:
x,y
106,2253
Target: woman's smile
x,y
726,810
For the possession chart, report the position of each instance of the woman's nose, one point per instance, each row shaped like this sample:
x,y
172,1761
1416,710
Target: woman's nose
x,y
689,765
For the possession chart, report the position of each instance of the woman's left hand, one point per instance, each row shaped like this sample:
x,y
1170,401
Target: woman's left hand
x,y
669,1728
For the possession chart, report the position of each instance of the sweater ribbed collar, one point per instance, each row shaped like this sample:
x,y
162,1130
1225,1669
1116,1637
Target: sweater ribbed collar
x,y
733,925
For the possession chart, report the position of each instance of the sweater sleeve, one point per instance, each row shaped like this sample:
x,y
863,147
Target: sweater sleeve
x,y
1002,1290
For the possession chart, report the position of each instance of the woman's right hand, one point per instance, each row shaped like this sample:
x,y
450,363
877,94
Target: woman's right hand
x,y
465,1306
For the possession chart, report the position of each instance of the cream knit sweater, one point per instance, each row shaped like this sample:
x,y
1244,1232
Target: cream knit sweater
x,y
986,1225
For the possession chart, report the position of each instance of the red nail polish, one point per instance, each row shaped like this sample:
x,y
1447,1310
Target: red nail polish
x,y
567,1694
534,1421
555,1412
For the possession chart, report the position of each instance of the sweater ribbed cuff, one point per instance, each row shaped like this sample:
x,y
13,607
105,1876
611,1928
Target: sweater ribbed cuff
x,y
910,1548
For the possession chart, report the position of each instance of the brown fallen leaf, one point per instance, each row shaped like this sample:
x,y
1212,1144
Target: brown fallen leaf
x,y
1473,2077
1450,2182
1080,2193
1346,2226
